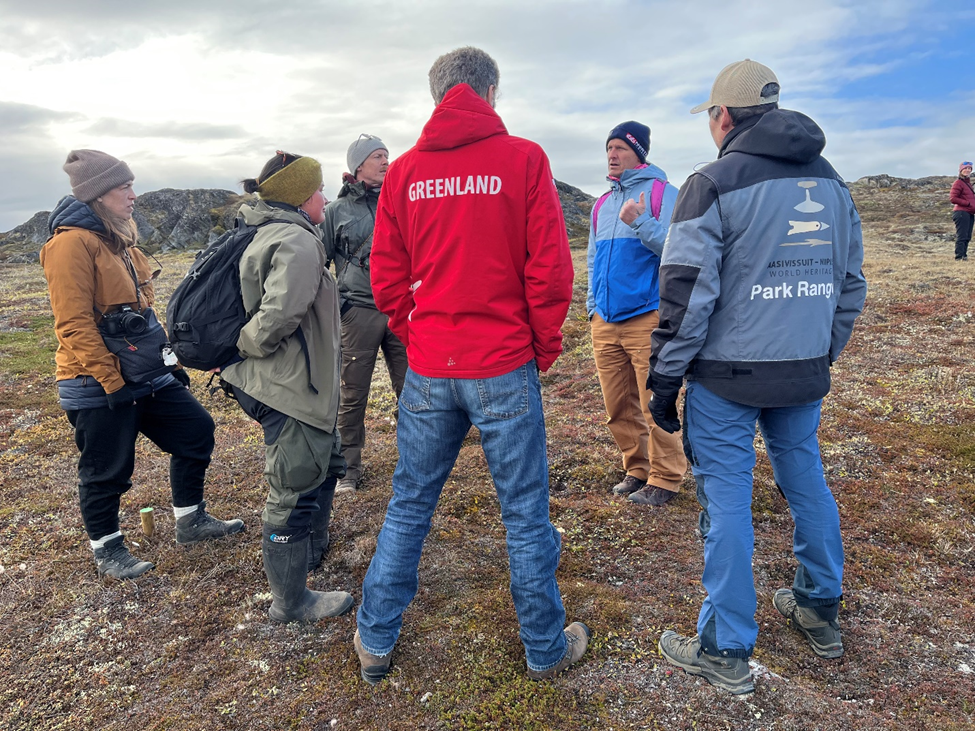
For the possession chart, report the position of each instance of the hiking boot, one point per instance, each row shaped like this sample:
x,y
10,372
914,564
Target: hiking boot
x,y
350,482
823,635
650,495
374,667
200,526
728,673
286,566
629,485
577,638
114,559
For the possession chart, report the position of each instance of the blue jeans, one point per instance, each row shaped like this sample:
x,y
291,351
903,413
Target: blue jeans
x,y
435,416
722,435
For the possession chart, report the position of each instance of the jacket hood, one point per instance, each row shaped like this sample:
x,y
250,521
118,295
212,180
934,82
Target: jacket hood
x,y
460,119
636,176
261,212
781,133
72,212
355,189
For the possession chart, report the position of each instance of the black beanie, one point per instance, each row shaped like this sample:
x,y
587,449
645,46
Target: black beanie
x,y
636,135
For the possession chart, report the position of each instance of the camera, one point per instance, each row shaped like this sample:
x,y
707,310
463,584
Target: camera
x,y
124,321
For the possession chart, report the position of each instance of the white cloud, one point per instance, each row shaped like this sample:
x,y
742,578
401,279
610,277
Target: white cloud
x,y
201,94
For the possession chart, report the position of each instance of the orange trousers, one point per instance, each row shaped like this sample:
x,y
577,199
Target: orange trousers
x,y
622,351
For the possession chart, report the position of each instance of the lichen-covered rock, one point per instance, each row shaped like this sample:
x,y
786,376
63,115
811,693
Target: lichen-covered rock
x,y
183,219
576,207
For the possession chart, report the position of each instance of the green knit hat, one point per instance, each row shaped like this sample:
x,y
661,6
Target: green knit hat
x,y
294,183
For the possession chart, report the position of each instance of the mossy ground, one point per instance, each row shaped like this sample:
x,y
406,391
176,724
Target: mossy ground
x,y
189,645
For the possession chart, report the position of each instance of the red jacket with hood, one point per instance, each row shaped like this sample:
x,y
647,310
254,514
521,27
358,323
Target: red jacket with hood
x,y
470,258
962,195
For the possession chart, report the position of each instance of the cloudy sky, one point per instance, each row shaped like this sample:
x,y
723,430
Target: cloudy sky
x,y
200,93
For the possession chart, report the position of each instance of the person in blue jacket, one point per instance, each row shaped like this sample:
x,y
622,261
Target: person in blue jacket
x,y
761,283
626,238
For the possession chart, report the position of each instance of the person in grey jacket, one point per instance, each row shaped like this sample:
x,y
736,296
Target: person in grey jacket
x,y
761,283
288,379
347,235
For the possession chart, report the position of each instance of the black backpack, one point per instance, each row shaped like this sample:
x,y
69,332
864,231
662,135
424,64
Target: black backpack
x,y
206,312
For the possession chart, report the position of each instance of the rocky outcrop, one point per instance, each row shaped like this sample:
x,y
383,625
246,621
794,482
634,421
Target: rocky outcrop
x,y
167,219
24,242
889,181
184,219
576,207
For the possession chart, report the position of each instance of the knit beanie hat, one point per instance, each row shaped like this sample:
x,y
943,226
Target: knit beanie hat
x,y
636,135
93,173
361,149
294,183
962,166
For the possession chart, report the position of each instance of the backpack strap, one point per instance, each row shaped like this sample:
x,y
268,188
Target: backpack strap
x,y
596,206
656,201
657,197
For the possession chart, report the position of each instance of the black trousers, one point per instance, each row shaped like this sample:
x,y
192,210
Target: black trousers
x,y
172,419
963,232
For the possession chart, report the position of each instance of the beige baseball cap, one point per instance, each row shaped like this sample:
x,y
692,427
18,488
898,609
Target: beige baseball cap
x,y
740,84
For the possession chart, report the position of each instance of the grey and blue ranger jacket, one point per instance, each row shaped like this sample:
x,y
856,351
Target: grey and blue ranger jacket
x,y
760,280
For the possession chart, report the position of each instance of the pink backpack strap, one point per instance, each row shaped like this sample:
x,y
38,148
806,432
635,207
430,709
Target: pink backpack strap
x,y
657,197
596,206
656,201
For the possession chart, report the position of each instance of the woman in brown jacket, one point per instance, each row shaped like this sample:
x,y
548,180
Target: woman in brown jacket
x,y
963,196
100,285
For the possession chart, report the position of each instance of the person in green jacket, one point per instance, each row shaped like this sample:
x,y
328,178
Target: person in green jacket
x,y
347,235
288,379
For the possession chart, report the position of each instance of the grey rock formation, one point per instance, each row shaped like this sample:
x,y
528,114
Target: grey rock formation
x,y
183,219
576,206
24,242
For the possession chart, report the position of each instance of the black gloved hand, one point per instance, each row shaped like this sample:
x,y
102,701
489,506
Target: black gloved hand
x,y
663,405
182,376
120,399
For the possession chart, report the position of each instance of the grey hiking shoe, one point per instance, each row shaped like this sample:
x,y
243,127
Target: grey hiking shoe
x,y
630,484
114,560
350,482
824,636
728,673
577,638
200,526
374,667
651,495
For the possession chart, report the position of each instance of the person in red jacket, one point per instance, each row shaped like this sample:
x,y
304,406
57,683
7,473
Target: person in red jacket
x,y
963,196
471,263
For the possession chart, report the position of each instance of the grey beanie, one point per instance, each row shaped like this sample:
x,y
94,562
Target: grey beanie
x,y
361,149
93,173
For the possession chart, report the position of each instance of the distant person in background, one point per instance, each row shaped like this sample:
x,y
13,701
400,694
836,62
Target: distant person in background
x,y
288,379
626,238
471,262
760,286
97,278
347,234
963,197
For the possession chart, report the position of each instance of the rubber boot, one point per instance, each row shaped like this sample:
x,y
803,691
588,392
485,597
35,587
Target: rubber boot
x,y
318,545
286,566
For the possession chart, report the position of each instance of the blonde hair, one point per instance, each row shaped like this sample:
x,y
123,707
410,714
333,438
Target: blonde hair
x,y
122,232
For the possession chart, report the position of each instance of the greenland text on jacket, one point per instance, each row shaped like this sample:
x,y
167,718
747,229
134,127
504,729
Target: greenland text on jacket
x,y
457,185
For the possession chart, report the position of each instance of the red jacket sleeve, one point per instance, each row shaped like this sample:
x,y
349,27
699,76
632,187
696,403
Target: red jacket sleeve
x,y
389,264
548,269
